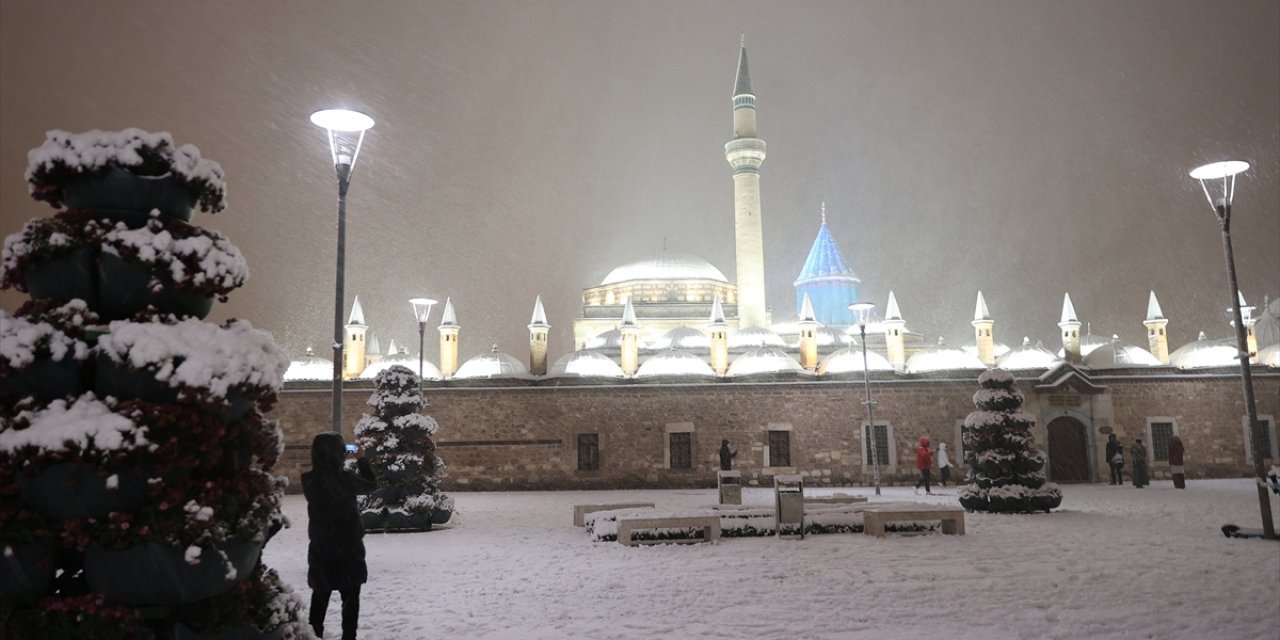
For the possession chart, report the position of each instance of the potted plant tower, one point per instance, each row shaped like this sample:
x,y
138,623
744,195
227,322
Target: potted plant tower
x,y
397,441
136,492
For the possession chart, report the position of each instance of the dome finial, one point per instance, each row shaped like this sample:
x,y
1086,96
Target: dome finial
x,y
744,40
824,212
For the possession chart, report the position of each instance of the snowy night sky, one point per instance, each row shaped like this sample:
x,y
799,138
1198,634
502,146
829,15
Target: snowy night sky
x,y
1024,148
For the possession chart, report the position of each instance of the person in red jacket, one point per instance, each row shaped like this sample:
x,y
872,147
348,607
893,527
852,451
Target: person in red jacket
x,y
924,462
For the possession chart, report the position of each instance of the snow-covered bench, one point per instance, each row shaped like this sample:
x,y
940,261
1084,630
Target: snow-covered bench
x,y
710,526
839,498
581,510
874,518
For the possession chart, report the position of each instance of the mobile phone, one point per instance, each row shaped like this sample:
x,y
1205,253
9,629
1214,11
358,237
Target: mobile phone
x,y
352,448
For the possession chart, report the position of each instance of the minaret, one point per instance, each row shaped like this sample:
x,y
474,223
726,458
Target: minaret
x,y
808,336
538,329
719,330
1157,341
353,349
373,353
630,331
982,327
1070,326
745,153
449,329
894,334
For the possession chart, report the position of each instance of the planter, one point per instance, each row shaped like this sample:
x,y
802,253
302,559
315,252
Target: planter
x,y
26,570
124,289
183,632
441,516
157,574
46,379
75,490
64,279
123,383
114,191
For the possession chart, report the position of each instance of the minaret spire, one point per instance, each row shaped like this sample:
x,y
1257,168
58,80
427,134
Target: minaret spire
x,y
745,153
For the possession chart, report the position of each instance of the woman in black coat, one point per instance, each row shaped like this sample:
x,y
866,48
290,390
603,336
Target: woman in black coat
x,y
335,557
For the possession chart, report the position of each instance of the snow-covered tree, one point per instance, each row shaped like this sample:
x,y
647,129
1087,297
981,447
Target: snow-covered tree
x,y
397,441
1004,469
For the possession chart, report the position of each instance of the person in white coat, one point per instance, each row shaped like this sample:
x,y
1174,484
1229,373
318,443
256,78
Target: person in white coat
x,y
944,465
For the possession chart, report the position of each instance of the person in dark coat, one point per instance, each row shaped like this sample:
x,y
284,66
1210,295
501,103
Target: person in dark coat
x,y
1139,454
924,464
1115,459
335,557
726,456
1176,452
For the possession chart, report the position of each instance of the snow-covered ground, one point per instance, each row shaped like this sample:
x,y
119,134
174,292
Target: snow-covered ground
x,y
1113,562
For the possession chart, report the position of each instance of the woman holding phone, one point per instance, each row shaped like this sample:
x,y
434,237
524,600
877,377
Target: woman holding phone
x,y
335,557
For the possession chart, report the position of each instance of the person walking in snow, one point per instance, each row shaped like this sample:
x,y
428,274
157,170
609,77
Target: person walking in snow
x,y
1115,459
1139,454
1176,452
726,456
944,465
335,557
924,464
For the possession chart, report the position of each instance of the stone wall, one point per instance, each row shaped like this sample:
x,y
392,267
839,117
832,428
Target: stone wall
x,y
525,437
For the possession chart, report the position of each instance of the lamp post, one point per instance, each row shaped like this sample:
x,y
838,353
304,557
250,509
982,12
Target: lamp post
x,y
862,310
346,133
421,310
1226,171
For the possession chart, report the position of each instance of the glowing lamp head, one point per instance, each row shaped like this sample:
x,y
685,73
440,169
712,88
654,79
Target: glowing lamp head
x,y
862,311
342,120
421,308
1225,171
1216,170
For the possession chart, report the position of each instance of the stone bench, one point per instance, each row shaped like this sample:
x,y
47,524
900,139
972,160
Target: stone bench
x,y
710,526
874,519
580,511
839,498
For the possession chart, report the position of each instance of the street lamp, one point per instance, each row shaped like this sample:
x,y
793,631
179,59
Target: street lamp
x,y
1226,171
862,310
346,132
421,310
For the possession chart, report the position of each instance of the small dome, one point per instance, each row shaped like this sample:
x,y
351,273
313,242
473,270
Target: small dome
x,y
666,267
406,360
1029,357
1088,342
1204,353
751,337
585,364
763,360
998,349
611,339
675,362
1118,355
942,358
682,338
1269,356
849,360
309,367
492,365
830,336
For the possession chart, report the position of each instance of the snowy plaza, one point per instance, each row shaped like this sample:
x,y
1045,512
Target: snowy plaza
x,y
1112,562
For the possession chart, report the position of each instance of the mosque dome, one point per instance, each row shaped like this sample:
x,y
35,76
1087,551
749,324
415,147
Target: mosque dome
x,y
665,267
492,365
1088,342
406,360
941,358
682,338
998,349
675,362
763,360
1204,353
1118,355
755,337
1269,356
309,367
611,339
829,336
585,364
1028,357
849,360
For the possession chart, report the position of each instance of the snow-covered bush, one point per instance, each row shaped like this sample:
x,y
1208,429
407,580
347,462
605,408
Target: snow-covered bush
x,y
1005,471
26,336
65,156
45,239
180,255
261,601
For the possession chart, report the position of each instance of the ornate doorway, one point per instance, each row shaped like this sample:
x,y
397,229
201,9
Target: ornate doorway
x,y
1068,451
